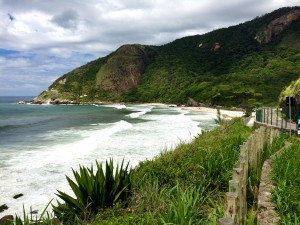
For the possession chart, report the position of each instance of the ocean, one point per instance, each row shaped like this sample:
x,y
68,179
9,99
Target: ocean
x,y
39,144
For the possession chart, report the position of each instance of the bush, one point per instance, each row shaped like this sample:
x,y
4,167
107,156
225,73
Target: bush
x,y
93,192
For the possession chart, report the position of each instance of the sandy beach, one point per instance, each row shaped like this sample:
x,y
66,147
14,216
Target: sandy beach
x,y
227,114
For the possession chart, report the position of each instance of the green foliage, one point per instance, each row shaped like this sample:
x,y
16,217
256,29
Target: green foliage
x,y
184,205
93,191
254,176
45,218
291,90
207,157
286,195
219,119
165,185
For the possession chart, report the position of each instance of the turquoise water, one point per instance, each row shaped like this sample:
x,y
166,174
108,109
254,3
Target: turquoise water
x,y
39,144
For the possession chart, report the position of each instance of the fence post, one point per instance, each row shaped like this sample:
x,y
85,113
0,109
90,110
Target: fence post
x,y
225,221
271,135
268,115
242,165
276,117
238,176
231,209
271,115
249,147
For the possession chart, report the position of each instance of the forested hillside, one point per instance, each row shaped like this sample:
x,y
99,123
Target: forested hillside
x,y
242,65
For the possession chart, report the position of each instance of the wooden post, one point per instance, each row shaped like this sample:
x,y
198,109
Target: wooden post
x,y
250,152
271,135
262,138
233,185
266,136
244,177
231,208
256,146
271,116
225,221
276,117
238,176
253,150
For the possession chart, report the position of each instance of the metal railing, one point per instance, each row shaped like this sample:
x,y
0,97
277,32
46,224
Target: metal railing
x,y
284,118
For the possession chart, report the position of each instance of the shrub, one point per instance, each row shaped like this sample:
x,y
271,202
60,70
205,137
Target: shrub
x,y
93,192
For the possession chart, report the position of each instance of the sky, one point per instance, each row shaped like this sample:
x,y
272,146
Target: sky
x,y
40,40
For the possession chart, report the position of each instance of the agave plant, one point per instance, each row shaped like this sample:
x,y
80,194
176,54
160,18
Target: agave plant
x,y
93,191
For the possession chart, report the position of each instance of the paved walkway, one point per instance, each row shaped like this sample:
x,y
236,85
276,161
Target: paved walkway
x,y
249,121
275,118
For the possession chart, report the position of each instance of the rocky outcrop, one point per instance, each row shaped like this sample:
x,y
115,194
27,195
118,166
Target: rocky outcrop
x,y
18,196
217,46
3,207
6,220
62,81
276,26
123,70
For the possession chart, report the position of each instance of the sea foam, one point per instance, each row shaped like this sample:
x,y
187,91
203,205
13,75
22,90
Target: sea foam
x,y
38,167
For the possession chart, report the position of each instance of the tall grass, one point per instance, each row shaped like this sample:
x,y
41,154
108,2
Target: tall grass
x,y
45,218
255,173
186,185
286,194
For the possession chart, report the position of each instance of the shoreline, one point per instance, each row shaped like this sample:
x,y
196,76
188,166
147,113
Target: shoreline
x,y
227,114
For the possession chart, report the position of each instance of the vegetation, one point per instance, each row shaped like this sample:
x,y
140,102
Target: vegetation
x,y
93,192
185,185
44,218
254,177
286,195
181,186
292,90
226,67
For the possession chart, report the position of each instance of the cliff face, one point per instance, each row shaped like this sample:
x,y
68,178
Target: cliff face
x,y
123,70
276,26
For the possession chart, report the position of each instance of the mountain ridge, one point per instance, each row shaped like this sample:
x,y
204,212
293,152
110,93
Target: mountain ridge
x,y
242,65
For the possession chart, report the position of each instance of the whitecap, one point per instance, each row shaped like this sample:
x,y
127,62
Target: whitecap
x,y
140,113
117,106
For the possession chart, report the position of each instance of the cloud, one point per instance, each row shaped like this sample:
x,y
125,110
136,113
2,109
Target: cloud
x,y
68,19
47,35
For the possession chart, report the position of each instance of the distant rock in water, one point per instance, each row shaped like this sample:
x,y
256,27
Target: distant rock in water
x,y
34,212
3,207
18,196
6,220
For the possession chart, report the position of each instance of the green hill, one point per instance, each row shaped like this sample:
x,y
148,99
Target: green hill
x,y
242,65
